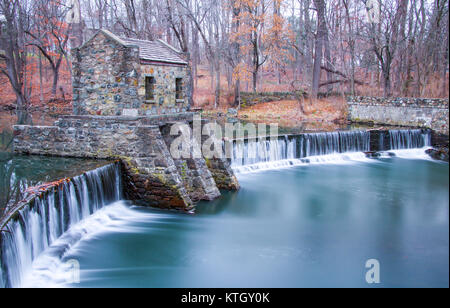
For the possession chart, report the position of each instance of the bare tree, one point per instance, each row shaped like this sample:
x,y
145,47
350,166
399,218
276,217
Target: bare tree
x,y
13,42
50,35
319,44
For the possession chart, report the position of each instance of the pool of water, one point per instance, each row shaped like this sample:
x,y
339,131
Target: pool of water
x,y
306,226
18,173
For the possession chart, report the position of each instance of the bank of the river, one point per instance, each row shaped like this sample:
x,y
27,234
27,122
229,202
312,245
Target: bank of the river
x,y
324,114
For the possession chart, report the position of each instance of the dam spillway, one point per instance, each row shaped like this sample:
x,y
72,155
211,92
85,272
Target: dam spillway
x,y
409,139
34,227
282,151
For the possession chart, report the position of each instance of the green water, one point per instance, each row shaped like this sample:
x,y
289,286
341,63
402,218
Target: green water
x,y
313,226
18,173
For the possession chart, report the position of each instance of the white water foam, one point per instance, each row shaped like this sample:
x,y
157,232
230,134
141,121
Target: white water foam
x,y
51,270
419,154
48,216
335,159
331,159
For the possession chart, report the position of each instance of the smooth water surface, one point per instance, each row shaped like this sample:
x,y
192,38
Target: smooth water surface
x,y
306,226
20,172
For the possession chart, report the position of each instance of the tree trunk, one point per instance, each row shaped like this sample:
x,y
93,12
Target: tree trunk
x,y
237,54
55,82
308,40
387,81
328,62
320,37
217,91
351,43
255,79
237,94
41,88
256,63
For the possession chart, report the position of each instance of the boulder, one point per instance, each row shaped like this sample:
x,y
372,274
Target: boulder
x,y
439,154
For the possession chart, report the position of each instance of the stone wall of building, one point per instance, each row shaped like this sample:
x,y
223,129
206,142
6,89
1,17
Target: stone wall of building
x,y
109,80
412,112
151,176
105,77
165,88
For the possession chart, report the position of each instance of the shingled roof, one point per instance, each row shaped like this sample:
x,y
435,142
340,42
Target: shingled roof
x,y
157,51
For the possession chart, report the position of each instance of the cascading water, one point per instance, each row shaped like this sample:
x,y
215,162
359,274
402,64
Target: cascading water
x,y
409,144
335,147
332,143
254,154
38,225
409,139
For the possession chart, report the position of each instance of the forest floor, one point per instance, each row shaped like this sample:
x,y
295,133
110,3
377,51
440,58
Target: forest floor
x,y
324,113
331,111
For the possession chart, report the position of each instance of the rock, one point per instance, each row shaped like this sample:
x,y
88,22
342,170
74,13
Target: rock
x,y
439,154
373,154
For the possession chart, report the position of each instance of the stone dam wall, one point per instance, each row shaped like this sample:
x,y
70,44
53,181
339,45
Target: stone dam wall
x,y
47,212
151,176
409,112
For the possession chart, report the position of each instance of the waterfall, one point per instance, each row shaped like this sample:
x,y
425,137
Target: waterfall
x,y
289,148
335,147
47,217
253,151
332,143
409,139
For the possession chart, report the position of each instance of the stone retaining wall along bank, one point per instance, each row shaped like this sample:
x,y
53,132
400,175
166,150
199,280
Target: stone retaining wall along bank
x,y
412,112
151,176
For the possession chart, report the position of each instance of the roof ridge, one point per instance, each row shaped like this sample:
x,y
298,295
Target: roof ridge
x,y
150,50
135,39
108,34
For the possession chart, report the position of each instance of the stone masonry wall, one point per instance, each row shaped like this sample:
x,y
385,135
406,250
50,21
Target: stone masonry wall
x,y
197,178
105,77
165,89
152,177
413,112
220,169
150,173
109,80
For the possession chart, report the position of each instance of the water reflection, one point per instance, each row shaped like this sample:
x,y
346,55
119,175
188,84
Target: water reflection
x,y
10,118
18,173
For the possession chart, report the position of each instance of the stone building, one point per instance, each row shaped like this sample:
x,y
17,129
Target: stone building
x,y
115,76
